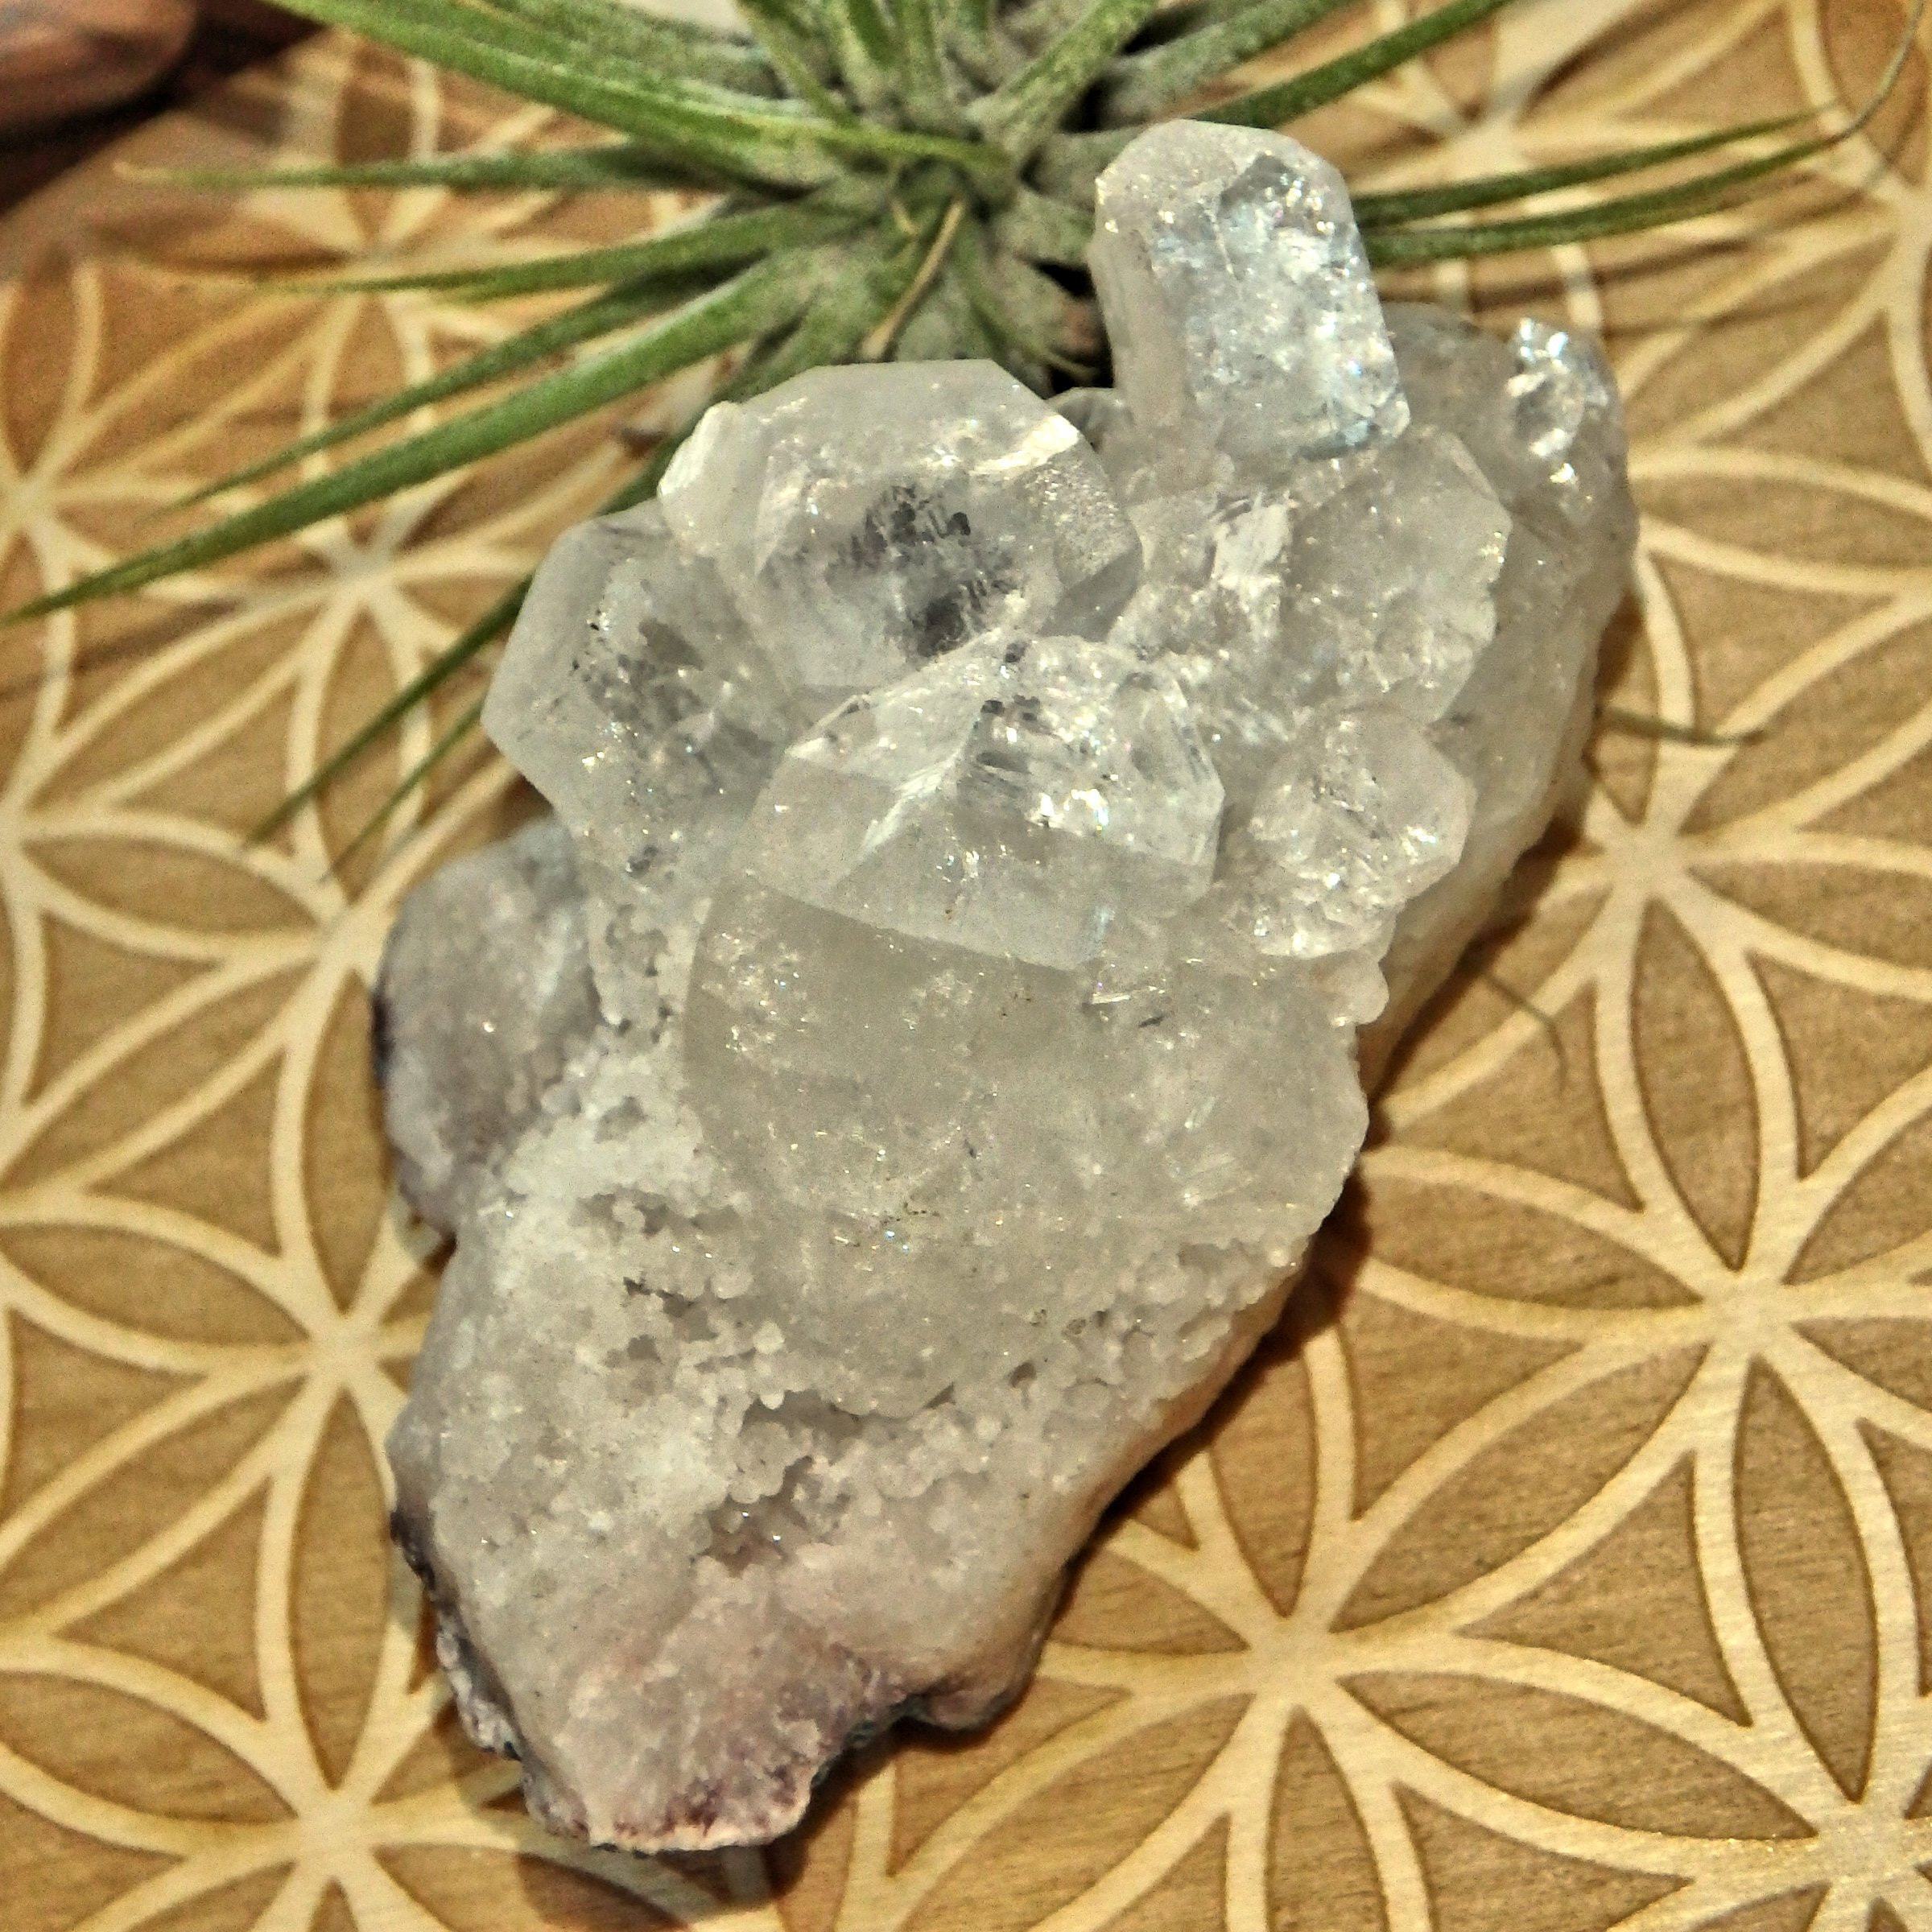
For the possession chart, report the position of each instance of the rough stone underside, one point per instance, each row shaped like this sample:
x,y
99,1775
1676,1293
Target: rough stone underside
x,y
889,1097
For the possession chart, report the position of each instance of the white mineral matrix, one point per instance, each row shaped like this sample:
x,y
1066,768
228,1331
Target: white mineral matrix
x,y
891,1095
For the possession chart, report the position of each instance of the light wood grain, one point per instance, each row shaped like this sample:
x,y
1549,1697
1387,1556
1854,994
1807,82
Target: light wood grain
x,y
1563,1563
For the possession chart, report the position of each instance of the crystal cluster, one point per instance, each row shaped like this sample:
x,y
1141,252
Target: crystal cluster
x,y
890,1096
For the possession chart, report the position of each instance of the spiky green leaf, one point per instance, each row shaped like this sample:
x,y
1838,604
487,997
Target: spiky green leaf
x,y
794,48
773,142
412,780
831,332
712,242
1035,23
979,45
1144,84
761,300
683,47
1039,229
1020,114
863,49
614,164
476,636
1286,99
929,96
1622,215
601,315
1392,208
513,30
1709,193
1024,316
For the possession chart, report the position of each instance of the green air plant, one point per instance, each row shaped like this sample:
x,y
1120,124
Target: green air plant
x,y
905,178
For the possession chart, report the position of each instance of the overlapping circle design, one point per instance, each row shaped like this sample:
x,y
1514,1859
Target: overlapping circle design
x,y
1565,1562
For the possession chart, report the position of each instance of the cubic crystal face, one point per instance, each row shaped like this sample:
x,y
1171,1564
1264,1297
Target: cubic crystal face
x,y
993,846
1238,297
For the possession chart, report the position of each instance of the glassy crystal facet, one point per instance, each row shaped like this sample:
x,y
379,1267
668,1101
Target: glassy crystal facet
x,y
1238,301
865,521
993,848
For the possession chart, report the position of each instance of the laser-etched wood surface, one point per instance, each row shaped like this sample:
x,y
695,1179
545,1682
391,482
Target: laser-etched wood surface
x,y
1566,1561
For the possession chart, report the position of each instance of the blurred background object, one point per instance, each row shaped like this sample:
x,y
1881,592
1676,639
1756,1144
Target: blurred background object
x,y
61,58
77,74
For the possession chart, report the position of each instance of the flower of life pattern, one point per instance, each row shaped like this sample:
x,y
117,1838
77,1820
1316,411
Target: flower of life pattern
x,y
1567,1560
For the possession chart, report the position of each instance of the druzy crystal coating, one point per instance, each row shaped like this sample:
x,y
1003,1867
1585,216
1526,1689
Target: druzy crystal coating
x,y
992,846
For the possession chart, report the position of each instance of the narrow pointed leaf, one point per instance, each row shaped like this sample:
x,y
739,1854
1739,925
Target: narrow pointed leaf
x,y
1392,208
795,51
981,49
761,300
1025,109
599,316
749,141
768,141
805,20
482,631
903,146
545,275
1623,215
928,87
1302,93
1709,193
1041,229
672,46
711,241
613,164
827,335
1038,23
514,30
1143,84
862,45
477,636
459,728
1012,329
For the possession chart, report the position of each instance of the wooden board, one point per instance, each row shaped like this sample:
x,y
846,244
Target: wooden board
x,y
1567,1562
